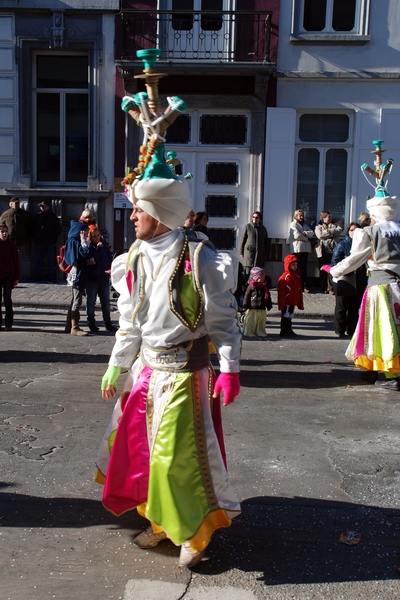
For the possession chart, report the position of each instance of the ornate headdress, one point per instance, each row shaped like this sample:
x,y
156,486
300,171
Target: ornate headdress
x,y
153,184
382,206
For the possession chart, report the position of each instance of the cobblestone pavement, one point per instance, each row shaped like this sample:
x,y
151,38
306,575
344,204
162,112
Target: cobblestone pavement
x,y
46,295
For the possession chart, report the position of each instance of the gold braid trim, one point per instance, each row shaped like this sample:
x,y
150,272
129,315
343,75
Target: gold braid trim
x,y
201,442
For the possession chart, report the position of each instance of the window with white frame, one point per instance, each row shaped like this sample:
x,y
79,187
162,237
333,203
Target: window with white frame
x,y
341,20
61,118
323,145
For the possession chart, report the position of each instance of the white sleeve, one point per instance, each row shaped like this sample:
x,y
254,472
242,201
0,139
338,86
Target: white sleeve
x,y
360,252
218,274
127,338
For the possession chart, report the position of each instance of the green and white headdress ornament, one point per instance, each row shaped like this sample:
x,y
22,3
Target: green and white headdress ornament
x,y
152,184
383,206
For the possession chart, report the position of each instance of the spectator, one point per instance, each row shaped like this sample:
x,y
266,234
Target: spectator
x,y
253,244
347,306
290,294
76,254
88,216
256,299
328,234
364,219
189,221
18,221
200,222
46,228
300,245
9,274
98,279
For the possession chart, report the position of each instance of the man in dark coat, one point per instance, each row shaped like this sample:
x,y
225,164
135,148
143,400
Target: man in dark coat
x,y
46,229
253,244
18,221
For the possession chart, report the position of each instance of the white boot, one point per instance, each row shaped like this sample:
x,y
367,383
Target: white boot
x,y
189,557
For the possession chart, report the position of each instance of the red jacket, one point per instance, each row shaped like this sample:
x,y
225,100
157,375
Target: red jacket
x,y
290,287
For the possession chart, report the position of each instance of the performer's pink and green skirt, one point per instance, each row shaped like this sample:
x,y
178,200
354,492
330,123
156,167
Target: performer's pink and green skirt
x,y
163,453
375,344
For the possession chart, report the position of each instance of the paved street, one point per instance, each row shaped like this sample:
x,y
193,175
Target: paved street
x,y
312,452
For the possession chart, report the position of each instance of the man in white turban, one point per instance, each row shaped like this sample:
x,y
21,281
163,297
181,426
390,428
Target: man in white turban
x,y
375,344
163,452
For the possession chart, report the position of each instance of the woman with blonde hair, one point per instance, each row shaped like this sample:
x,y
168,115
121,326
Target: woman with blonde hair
x,y
88,216
300,245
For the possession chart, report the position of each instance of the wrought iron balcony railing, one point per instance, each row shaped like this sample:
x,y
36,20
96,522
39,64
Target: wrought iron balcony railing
x,y
186,35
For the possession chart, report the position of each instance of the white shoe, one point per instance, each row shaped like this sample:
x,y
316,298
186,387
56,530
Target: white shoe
x,y
189,557
149,539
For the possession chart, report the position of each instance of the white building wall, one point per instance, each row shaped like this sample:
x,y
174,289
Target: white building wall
x,y
361,78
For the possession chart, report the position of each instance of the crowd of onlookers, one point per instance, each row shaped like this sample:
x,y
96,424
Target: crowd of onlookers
x,y
86,252
90,258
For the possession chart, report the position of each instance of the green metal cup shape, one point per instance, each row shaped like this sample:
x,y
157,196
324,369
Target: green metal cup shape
x,y
149,56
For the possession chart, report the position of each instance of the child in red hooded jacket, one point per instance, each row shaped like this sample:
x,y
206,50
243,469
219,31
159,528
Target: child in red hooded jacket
x,y
290,294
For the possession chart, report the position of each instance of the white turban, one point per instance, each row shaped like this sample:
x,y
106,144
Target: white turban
x,y
166,200
382,206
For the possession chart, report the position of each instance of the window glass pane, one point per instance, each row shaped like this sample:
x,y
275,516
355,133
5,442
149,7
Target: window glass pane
x,y
222,173
179,131
335,184
307,183
324,128
211,22
225,239
62,72
343,15
223,129
76,138
48,137
182,21
221,206
314,15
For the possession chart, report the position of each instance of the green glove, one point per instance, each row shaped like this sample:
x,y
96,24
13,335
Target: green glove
x,y
110,377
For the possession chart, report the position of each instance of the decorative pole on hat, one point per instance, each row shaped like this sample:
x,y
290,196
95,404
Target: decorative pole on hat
x,y
144,107
381,169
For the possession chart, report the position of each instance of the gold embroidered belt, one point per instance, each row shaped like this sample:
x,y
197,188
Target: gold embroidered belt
x,y
191,356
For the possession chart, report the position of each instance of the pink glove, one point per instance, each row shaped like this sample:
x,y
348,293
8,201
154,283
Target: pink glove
x,y
326,268
229,384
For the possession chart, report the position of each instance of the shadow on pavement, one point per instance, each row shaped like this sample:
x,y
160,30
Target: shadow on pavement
x,y
286,540
297,541
28,356
19,510
297,374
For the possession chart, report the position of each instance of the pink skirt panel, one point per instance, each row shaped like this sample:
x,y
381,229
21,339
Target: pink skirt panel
x,y
127,478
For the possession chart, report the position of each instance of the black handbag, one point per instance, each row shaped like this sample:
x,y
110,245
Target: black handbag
x,y
346,285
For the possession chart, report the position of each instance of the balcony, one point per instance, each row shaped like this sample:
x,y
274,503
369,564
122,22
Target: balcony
x,y
187,36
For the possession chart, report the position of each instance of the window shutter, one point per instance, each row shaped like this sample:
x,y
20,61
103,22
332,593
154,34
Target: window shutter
x,y
279,169
389,131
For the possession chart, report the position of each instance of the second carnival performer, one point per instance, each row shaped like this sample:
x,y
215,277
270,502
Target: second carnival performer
x,y
375,345
163,452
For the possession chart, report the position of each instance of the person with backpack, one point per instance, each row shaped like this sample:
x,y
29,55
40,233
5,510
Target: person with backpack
x,y
75,255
